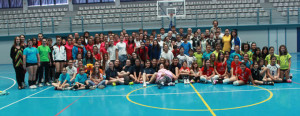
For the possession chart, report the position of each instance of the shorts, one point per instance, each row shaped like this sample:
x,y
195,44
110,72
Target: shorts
x,y
59,61
283,70
31,64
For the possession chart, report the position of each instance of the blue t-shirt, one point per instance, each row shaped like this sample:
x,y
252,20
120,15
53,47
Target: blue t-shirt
x,y
248,64
63,77
187,46
81,78
30,54
231,57
206,55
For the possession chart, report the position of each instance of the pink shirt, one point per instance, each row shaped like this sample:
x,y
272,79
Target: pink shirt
x,y
162,71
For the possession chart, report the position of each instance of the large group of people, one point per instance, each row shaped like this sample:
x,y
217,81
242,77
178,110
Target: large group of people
x,y
167,58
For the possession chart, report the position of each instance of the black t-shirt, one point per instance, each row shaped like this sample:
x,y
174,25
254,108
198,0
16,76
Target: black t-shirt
x,y
149,70
118,68
219,41
255,74
137,69
154,68
212,43
110,73
172,67
128,69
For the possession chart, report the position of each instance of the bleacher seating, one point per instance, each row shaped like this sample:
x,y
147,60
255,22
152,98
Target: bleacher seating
x,y
282,6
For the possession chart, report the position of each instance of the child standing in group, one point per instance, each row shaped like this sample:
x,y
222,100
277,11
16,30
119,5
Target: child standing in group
x,y
63,81
191,58
274,70
199,56
285,63
207,73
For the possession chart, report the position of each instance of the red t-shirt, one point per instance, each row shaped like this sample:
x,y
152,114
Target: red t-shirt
x,y
89,47
175,53
115,42
97,56
39,43
69,51
221,68
186,68
142,53
244,75
208,72
235,66
130,48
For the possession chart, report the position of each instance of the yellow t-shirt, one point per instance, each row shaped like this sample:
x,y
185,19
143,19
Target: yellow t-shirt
x,y
268,58
250,54
226,42
217,53
284,61
199,59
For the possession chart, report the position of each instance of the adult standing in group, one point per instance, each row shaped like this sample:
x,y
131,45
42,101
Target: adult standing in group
x,y
45,53
226,41
215,26
16,54
122,53
40,37
31,61
59,56
235,40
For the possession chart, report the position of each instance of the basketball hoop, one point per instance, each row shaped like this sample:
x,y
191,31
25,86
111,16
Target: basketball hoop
x,y
171,15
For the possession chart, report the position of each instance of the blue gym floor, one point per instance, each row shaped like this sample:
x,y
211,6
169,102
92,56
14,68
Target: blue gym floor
x,y
197,99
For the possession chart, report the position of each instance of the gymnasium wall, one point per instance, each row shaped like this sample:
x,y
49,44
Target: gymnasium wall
x,y
262,35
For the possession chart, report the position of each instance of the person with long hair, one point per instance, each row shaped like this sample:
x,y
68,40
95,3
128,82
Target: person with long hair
x,y
112,52
78,48
246,50
59,57
258,76
156,50
243,75
218,50
34,42
264,52
184,73
273,71
89,59
227,41
96,54
142,52
207,73
285,63
220,66
31,61
194,75
247,61
253,47
16,54
271,53
130,46
89,46
235,40
256,54
235,65
45,54
96,77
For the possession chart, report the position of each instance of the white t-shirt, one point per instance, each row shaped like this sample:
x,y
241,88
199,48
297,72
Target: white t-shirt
x,y
168,55
122,48
182,58
112,52
190,60
98,46
273,69
137,44
161,44
71,71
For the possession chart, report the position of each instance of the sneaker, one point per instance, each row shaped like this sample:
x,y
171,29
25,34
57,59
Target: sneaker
x,y
41,85
291,75
23,85
192,81
75,87
184,81
67,88
289,80
130,83
171,84
271,83
92,87
32,87
147,83
214,82
187,81
144,84
205,81
101,86
114,84
4,93
48,84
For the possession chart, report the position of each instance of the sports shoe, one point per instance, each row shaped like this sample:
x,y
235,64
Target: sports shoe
x,y
114,84
32,87
192,81
271,83
289,80
75,87
130,83
4,93
23,85
184,81
92,87
101,86
187,81
171,84
291,75
147,83
41,85
144,84
67,88
48,84
214,82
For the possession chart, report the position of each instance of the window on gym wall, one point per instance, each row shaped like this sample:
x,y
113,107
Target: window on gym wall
x,y
46,2
11,3
135,0
91,1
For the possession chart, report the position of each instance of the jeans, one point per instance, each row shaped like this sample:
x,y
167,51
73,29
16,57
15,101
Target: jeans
x,y
123,59
91,83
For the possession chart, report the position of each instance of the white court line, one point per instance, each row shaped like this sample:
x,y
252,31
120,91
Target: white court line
x,y
11,85
160,93
24,98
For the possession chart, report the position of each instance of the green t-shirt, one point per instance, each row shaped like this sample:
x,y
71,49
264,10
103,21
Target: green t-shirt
x,y
268,58
250,54
284,61
44,53
199,59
